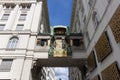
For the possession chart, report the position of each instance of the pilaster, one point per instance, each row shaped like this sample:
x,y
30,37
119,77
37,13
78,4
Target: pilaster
x,y
37,17
29,17
12,17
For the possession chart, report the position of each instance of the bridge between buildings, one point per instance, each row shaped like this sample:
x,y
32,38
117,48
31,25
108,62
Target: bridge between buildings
x,y
63,50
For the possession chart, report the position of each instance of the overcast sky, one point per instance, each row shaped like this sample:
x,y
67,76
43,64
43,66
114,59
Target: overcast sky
x,y
59,12
61,72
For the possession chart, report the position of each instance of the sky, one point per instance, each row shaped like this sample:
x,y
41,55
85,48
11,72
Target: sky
x,y
61,72
59,12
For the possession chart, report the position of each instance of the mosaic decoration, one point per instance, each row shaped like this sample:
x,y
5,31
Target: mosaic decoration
x,y
111,72
102,47
115,25
91,61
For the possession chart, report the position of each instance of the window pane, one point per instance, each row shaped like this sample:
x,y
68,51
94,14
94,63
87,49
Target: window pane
x,y
22,17
12,43
2,26
19,26
5,16
6,64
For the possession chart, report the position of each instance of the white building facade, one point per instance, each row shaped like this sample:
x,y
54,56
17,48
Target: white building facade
x,y
98,21
20,23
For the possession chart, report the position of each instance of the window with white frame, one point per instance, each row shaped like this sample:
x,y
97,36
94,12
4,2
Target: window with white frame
x,y
95,19
19,27
2,26
12,44
22,17
5,16
5,65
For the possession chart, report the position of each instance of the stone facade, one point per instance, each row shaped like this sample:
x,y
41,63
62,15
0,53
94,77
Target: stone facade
x,y
98,21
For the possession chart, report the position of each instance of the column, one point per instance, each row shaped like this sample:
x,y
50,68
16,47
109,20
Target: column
x,y
29,17
37,17
12,17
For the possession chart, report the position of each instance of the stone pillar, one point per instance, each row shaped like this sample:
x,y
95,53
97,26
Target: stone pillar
x,y
37,17
29,17
12,17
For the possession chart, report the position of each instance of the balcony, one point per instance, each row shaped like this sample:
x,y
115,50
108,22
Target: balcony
x,y
42,44
42,49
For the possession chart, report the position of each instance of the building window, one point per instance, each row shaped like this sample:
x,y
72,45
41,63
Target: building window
x,y
76,42
5,17
22,17
19,27
12,43
95,19
2,26
43,42
6,65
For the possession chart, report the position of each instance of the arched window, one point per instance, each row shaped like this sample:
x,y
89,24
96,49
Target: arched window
x,y
95,19
12,42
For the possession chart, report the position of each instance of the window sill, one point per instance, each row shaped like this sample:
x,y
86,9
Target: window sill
x,y
9,49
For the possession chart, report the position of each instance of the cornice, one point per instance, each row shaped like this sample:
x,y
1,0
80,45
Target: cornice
x,y
18,1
